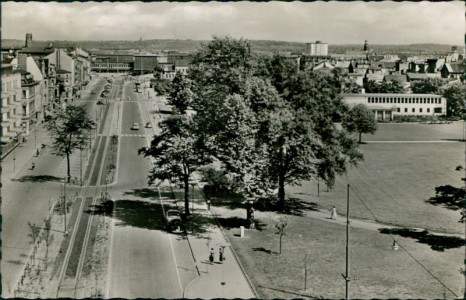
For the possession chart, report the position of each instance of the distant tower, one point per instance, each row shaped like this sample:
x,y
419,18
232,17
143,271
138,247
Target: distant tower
x,y
28,39
366,46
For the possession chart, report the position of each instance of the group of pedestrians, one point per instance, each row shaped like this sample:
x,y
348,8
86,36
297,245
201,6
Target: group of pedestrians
x,y
221,255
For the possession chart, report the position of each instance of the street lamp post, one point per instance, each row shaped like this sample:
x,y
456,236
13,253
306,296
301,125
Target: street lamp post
x,y
81,166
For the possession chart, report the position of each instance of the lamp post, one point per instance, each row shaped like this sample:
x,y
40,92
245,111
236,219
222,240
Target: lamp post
x,y
81,166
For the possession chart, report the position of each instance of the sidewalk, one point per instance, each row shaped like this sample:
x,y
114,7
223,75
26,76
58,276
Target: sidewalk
x,y
221,279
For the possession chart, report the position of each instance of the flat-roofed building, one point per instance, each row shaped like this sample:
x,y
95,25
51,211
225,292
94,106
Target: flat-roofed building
x,y
317,48
111,63
145,63
388,106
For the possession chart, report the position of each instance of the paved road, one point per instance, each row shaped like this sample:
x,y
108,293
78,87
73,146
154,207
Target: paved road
x,y
144,261
27,195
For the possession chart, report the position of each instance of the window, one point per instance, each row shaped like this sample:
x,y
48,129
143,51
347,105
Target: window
x,y
437,110
420,110
406,109
413,110
398,109
428,110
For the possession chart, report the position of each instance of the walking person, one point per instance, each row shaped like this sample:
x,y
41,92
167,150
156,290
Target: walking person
x,y
211,256
208,204
221,258
334,215
33,165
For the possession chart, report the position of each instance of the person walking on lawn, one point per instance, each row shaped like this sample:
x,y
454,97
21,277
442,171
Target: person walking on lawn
x,y
334,215
211,256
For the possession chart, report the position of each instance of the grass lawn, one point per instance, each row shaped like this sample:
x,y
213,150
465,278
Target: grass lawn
x,y
416,132
394,181
380,271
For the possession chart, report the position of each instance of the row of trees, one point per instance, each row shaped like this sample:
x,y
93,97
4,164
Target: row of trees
x,y
265,123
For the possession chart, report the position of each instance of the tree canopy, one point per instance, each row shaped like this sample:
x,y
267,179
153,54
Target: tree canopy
x,y
360,119
427,86
69,130
455,95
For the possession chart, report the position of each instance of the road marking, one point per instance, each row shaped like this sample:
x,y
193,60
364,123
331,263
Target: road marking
x,y
171,245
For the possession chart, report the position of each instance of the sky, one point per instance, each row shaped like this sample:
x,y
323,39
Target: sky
x,y
330,22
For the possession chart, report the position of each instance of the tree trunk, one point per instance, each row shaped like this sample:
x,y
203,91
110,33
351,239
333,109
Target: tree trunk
x,y
280,247
186,194
68,171
360,137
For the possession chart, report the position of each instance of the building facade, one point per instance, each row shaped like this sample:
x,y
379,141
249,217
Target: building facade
x,y
317,48
388,106
11,106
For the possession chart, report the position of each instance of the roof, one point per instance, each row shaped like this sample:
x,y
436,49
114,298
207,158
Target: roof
x,y
396,77
387,64
390,95
37,50
417,76
61,71
455,68
343,64
181,63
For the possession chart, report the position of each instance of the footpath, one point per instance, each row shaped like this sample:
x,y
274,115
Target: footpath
x,y
220,279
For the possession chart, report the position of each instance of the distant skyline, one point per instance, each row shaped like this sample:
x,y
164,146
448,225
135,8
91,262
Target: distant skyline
x,y
330,22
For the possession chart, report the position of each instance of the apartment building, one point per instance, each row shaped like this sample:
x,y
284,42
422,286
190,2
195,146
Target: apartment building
x,y
11,106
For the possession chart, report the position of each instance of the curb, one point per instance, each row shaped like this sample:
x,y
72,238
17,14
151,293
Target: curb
x,y
189,285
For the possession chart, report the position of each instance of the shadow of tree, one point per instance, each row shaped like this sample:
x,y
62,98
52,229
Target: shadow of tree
x,y
448,196
143,193
232,222
39,178
436,242
141,214
296,293
198,224
262,249
293,206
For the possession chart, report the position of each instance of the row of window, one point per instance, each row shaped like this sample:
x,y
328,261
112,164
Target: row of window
x,y
8,85
437,110
111,66
418,100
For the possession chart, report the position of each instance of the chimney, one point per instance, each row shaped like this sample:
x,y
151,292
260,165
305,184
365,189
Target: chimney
x,y
28,39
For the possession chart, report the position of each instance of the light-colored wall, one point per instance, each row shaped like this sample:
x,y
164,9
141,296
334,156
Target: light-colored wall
x,y
11,106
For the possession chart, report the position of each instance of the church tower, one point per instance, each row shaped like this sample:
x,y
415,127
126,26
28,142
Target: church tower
x,y
366,46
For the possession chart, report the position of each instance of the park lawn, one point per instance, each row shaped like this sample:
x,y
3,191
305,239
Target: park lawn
x,y
380,271
394,181
416,132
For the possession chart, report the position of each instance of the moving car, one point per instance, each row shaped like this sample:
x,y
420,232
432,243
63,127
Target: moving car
x,y
135,126
173,219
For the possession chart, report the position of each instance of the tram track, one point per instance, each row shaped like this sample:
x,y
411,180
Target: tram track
x,y
76,254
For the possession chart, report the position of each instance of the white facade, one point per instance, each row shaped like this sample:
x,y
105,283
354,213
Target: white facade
x,y
11,104
318,48
390,105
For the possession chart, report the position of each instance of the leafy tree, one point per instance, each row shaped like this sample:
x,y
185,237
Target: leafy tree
x,y
158,71
162,87
455,95
370,86
390,87
69,129
427,86
279,70
175,153
343,83
180,95
360,119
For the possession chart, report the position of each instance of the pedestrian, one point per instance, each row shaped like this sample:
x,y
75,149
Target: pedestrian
x,y
37,152
395,246
221,256
33,165
211,256
334,215
208,204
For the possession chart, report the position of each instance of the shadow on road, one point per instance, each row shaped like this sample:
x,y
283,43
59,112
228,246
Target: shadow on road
x,y
293,206
436,242
140,214
39,178
143,193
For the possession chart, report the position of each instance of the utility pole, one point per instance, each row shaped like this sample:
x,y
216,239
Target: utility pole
x,y
81,166
347,276
65,208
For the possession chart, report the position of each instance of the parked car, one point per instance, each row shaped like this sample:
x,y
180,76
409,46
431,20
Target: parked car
x,y
135,126
148,125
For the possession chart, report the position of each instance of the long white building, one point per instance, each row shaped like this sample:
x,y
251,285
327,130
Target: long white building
x,y
387,106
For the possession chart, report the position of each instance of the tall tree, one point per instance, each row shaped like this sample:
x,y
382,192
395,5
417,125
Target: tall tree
x,y
180,95
427,86
455,95
175,153
360,119
69,129
370,86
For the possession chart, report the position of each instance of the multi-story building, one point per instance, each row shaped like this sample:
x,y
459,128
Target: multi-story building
x,y
30,88
110,63
317,48
64,64
388,106
145,63
11,106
